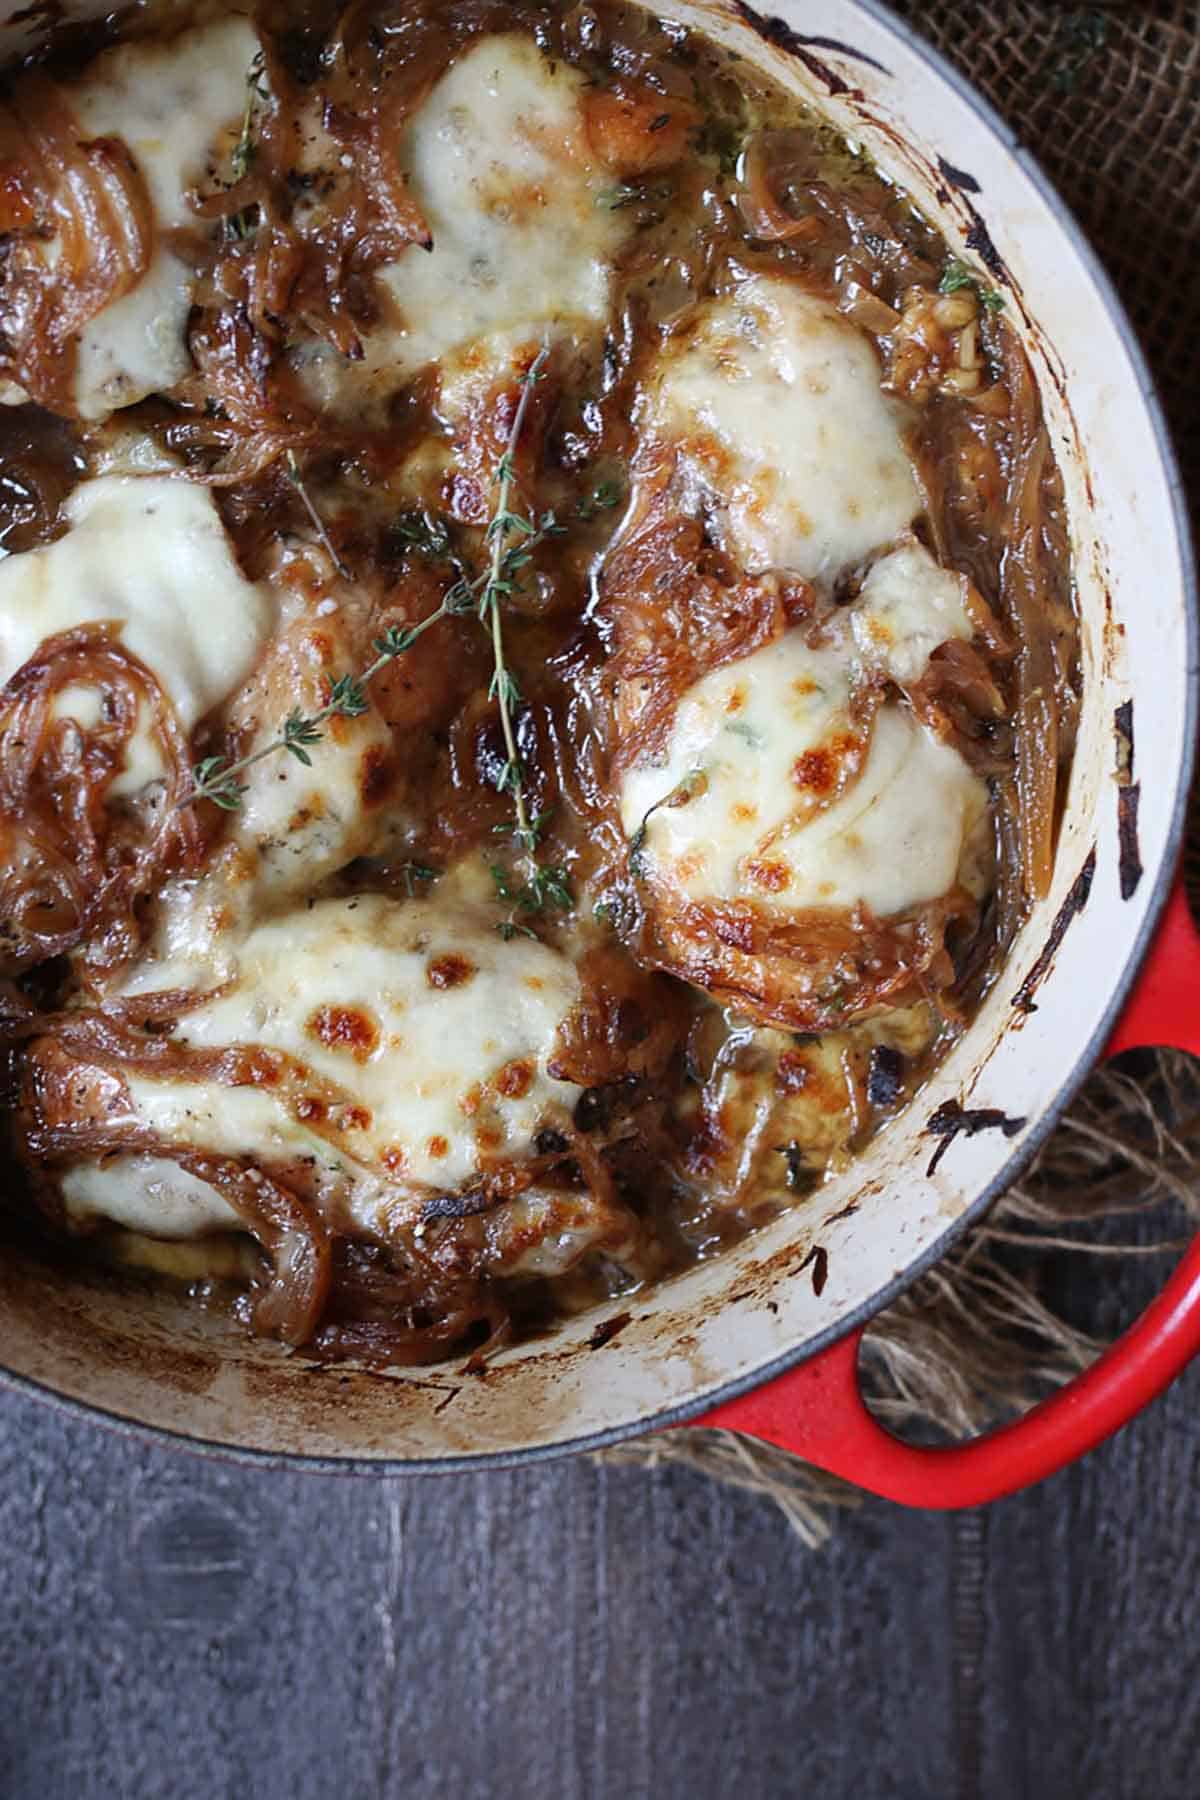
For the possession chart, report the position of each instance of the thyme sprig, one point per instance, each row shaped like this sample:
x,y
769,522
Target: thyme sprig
x,y
242,224
245,150
548,884
318,523
217,779
511,538
602,498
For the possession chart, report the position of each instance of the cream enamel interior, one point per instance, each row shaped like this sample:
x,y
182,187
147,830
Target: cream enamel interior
x,y
149,1358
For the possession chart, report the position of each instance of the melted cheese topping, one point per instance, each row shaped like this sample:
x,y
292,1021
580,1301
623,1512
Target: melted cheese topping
x,y
773,402
908,606
299,824
148,553
498,162
170,103
136,346
440,1030
147,1193
737,766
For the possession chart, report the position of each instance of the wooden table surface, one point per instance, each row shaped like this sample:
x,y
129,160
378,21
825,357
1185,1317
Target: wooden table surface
x,y
173,1626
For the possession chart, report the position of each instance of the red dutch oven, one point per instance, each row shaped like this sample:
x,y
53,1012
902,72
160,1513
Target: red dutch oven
x,y
765,1338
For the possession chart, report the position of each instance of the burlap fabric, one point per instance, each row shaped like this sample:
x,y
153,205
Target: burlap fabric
x,y
1108,98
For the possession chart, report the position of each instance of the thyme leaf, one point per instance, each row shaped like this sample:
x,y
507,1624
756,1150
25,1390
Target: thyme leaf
x,y
245,150
602,498
244,223
318,523
413,872
423,532
958,275
693,783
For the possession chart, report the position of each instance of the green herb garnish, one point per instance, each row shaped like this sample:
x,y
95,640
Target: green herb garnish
x,y
245,150
693,783
633,193
723,139
243,224
511,538
749,734
413,872
958,275
318,523
548,885
423,532
602,498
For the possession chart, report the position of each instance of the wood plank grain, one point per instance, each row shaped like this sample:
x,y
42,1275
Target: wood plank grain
x,y
1092,1665
182,1628
177,1627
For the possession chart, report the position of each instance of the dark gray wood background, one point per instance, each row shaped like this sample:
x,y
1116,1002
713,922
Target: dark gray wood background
x,y
175,1627
178,1627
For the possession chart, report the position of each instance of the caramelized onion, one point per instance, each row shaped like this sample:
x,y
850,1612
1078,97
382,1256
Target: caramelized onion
x,y
292,1234
74,868
92,196
764,214
677,611
816,970
290,253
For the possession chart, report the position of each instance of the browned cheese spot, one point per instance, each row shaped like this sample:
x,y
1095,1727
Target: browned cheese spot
x,y
348,1028
449,971
515,1079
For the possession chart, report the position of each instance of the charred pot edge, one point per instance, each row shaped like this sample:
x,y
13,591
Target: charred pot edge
x,y
818,1260
1071,907
607,1330
951,1120
778,32
843,49
1129,855
958,178
1129,795
978,237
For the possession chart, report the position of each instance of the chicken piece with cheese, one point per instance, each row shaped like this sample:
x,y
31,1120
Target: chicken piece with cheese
x,y
499,162
401,1066
802,831
111,161
769,404
109,665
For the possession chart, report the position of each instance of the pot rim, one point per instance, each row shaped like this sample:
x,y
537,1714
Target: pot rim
x,y
298,1461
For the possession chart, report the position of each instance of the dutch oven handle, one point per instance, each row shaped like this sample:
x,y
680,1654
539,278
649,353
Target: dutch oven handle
x,y
817,1410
